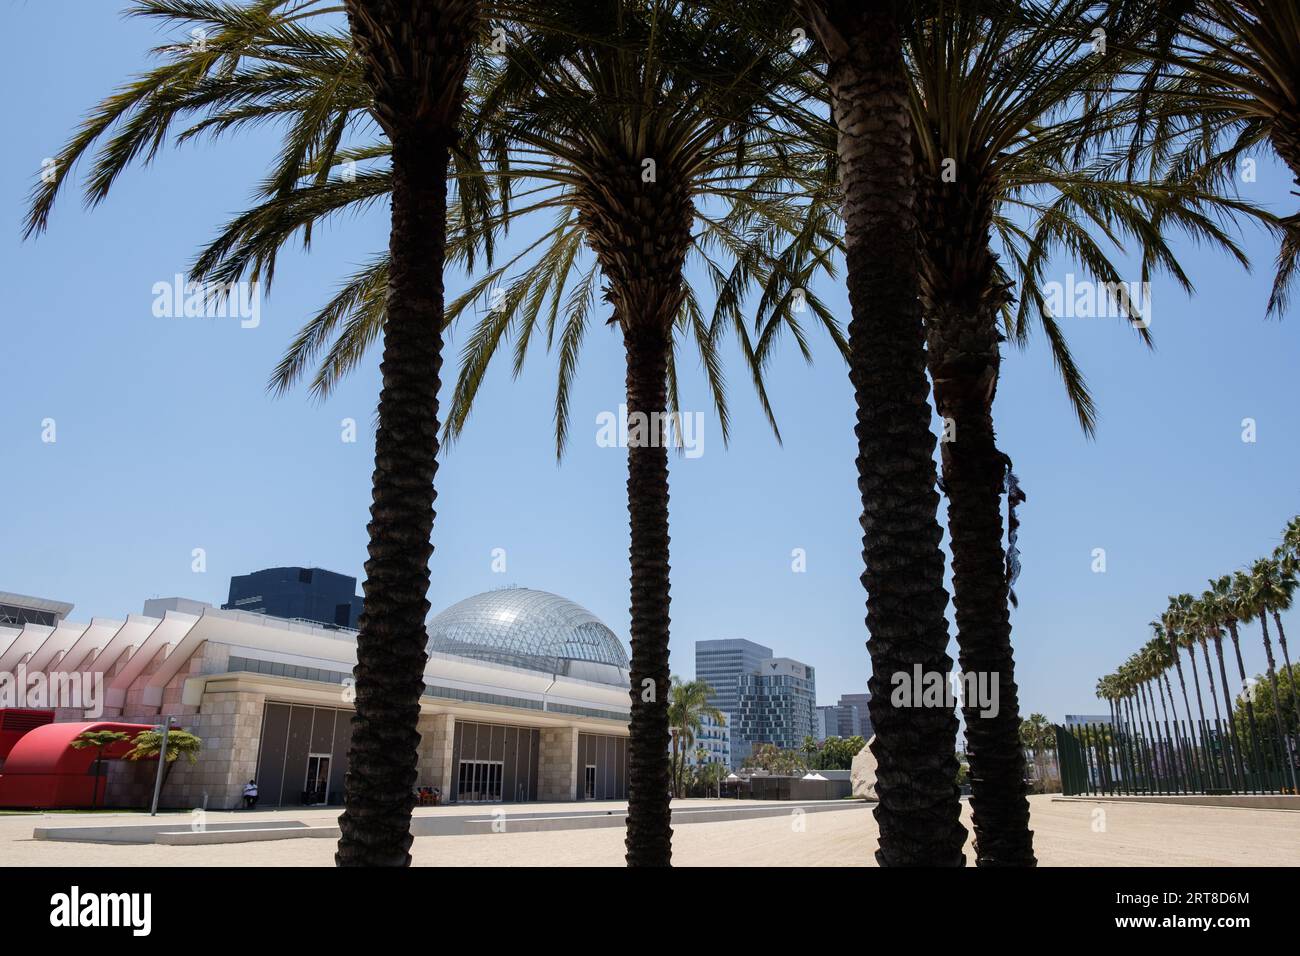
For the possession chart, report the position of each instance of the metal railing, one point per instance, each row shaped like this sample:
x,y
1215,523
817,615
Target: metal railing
x,y
1173,757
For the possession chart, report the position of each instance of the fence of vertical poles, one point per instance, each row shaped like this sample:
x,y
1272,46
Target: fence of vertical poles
x,y
1173,757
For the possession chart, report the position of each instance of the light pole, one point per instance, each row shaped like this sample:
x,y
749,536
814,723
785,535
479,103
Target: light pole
x,y
162,762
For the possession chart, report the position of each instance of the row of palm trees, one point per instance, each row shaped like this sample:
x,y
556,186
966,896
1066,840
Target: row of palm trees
x,y
1262,591
947,149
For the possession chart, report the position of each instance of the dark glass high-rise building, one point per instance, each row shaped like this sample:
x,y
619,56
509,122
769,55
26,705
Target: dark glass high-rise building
x,y
298,594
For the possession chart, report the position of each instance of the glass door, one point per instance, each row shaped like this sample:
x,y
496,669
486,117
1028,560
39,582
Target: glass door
x,y
479,781
318,780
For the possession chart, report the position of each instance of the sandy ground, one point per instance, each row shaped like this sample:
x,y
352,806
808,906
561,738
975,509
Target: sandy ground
x,y
1066,834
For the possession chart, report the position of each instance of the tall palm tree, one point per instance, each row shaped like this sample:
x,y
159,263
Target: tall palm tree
x,y
915,747
411,58
689,705
1165,630
557,111
1255,603
1215,613
994,107
415,55
1190,637
1200,624
1165,653
646,129
1229,596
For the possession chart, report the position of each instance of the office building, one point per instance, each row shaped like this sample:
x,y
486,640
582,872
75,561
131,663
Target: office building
x,y
309,595
776,704
721,663
856,723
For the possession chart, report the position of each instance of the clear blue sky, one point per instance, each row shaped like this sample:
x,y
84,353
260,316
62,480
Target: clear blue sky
x,y
167,440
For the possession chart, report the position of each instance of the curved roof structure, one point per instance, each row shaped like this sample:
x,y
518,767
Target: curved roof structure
x,y
535,630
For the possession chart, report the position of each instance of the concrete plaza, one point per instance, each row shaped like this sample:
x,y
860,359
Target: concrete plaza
x,y
1066,834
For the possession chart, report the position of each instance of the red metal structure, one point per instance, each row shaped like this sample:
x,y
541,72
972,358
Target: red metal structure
x,y
17,721
43,769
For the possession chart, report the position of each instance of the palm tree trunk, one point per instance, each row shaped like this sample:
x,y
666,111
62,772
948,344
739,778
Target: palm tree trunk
x,y
1218,717
964,359
1153,750
1286,658
1187,707
649,833
416,56
1233,743
1175,740
1169,754
1277,700
1200,704
915,746
1257,765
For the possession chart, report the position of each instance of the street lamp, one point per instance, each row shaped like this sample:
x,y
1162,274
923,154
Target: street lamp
x,y
162,761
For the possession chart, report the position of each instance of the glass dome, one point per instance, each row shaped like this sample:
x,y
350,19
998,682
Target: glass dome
x,y
536,630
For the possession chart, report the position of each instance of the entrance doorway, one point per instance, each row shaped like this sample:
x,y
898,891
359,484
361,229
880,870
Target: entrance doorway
x,y
318,780
479,781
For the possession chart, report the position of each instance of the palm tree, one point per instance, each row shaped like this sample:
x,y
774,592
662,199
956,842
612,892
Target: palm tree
x,y
1230,596
687,708
1215,614
415,55
1288,551
1183,609
629,177
630,173
147,745
994,108
571,78
915,748
1200,622
1219,71
1165,630
100,740
404,68
1273,586
1165,655
1256,595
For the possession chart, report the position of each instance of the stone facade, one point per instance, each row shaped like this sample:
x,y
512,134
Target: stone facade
x,y
230,726
437,740
558,766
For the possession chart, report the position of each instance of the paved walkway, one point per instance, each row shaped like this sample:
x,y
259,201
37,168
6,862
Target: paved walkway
x,y
1066,834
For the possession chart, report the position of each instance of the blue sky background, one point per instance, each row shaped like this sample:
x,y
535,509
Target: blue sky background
x,y
168,441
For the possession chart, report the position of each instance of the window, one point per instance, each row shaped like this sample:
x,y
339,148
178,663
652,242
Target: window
x,y
590,788
479,781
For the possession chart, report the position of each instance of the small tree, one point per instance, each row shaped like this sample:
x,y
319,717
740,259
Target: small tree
x,y
180,743
101,740
774,760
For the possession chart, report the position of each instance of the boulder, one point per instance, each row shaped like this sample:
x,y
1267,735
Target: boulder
x,y
863,773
